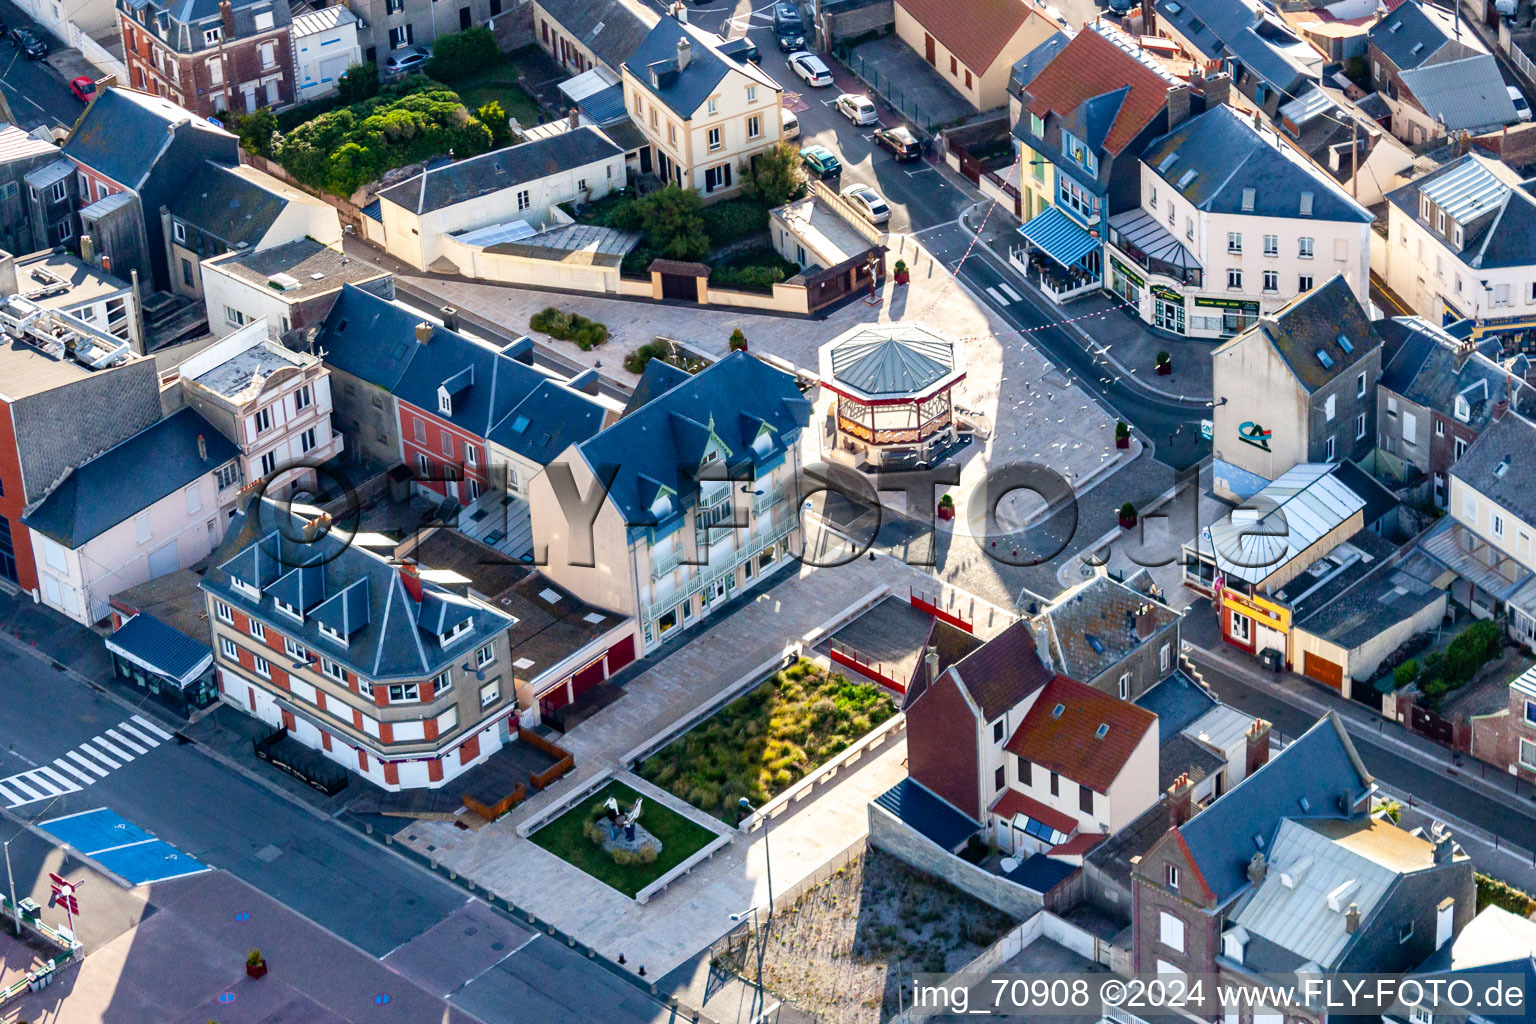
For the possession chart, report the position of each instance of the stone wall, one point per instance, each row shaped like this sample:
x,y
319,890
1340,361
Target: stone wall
x,y
844,19
900,840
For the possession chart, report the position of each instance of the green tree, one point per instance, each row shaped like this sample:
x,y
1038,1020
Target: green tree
x,y
463,54
359,82
495,118
672,223
258,132
776,176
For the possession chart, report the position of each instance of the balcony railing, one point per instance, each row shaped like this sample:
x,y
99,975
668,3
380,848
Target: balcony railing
x,y
705,575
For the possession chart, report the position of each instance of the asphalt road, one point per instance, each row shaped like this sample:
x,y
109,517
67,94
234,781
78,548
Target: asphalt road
x,y
37,94
337,878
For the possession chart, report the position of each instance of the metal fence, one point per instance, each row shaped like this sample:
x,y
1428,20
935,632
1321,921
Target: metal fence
x,y
881,84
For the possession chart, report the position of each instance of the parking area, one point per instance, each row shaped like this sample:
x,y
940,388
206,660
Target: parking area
x,y
911,85
122,847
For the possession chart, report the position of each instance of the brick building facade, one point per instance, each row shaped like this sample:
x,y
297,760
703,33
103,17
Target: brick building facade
x,y
209,58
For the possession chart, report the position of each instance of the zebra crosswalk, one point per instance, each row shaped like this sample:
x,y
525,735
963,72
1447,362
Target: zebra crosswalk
x,y
94,759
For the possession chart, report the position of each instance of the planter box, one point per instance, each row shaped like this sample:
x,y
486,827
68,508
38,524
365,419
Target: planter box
x,y
1123,442
256,970
1164,369
946,512
1127,522
903,276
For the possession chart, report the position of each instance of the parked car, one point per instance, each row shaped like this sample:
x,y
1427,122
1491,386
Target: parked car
x,y
868,202
789,124
29,43
821,161
858,109
83,88
404,61
741,48
1122,7
788,26
810,67
1522,105
900,141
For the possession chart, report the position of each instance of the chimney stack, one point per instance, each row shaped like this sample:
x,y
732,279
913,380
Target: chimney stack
x,y
684,52
227,16
412,581
202,447
1463,352
931,664
1178,104
87,249
450,317
1444,848
1181,801
1258,867
424,333
1217,89
573,119
1258,747
316,527
1352,919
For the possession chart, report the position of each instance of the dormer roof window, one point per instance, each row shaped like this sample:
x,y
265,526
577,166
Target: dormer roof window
x,y
457,631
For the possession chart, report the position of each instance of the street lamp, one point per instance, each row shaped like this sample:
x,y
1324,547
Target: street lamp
x,y
15,909
746,805
757,938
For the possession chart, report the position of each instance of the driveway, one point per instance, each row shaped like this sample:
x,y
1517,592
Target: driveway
x,y
37,94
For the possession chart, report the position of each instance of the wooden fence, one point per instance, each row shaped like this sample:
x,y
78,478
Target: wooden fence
x,y
564,759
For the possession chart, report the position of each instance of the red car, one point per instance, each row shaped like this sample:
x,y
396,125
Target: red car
x,y
83,88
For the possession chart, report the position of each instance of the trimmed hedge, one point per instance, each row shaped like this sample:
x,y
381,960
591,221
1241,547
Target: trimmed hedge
x,y
1492,892
587,334
463,54
1473,648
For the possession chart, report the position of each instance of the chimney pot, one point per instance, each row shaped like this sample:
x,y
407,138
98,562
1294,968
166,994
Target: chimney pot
x,y
573,119
1352,919
316,526
931,663
202,447
1258,867
684,52
450,317
424,333
1444,847
1257,738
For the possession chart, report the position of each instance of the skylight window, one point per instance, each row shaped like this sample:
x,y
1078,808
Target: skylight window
x,y
1187,177
520,424
1306,204
1057,711
1325,359
1249,195
1501,468
1346,344
1162,166
1101,732
1094,642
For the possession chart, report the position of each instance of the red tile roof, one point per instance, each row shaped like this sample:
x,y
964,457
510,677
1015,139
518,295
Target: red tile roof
x,y
1013,803
1070,745
974,30
1078,844
1090,66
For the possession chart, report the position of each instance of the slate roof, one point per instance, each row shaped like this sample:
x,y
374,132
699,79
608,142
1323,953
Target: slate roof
x,y
465,180
1130,94
128,478
1184,755
1314,323
318,268
1319,775
1501,235
950,644
150,643
1246,30
1177,701
934,818
658,377
1068,740
1040,873
975,31
1463,94
1424,372
657,448
362,596
548,421
1093,627
1500,466
227,204
1239,171
1032,63
1412,34
886,360
123,133
611,29
1003,671
683,92
371,338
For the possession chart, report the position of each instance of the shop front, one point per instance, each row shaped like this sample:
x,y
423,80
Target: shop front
x,y
1219,316
1254,624
1151,270
1167,309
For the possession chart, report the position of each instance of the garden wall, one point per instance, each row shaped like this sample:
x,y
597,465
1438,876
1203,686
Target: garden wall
x,y
902,841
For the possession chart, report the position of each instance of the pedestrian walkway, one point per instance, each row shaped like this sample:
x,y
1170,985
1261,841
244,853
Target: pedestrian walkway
x,y
94,759
1118,334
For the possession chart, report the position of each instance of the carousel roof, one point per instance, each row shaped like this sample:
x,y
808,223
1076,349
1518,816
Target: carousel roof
x,y
892,359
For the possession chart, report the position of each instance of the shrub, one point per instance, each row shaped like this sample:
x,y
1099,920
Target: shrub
x,y
463,54
254,957
359,82
258,132
625,858
635,362
1163,357
587,334
1492,892
494,117
1473,647
946,500
776,176
1122,429
738,341
1406,674
734,220
1127,511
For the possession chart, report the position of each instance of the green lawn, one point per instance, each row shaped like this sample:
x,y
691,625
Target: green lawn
x,y
680,839
500,84
765,741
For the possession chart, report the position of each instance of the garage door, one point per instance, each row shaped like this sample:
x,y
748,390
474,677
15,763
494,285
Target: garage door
x,y
1324,671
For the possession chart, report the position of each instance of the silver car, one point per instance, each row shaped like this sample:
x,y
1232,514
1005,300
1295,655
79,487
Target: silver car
x,y
868,202
404,61
858,109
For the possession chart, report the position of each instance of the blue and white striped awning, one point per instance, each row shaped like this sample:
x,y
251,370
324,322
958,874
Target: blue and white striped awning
x,y
1062,238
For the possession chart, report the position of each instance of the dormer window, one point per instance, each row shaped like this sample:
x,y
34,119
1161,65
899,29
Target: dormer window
x,y
444,402
457,631
1457,236
288,610
1463,408
331,634
242,587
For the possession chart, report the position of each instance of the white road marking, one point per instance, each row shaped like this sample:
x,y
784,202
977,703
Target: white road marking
x,y
137,734
15,783
63,780
119,738
109,762
152,727
11,799
65,766
89,764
